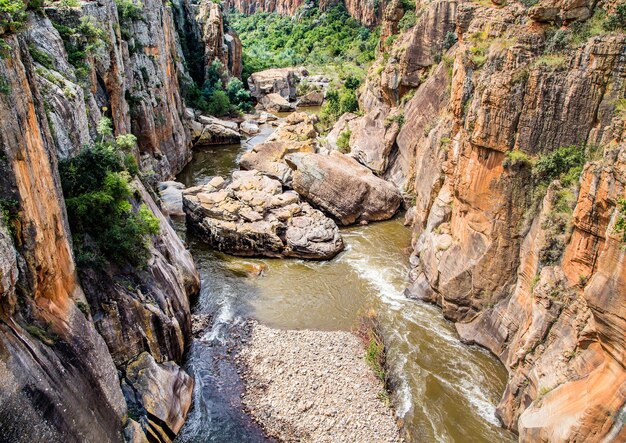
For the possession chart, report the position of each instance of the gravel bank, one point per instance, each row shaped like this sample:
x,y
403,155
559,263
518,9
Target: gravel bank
x,y
313,386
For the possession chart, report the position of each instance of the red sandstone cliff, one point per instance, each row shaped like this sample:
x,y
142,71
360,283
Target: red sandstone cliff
x,y
444,119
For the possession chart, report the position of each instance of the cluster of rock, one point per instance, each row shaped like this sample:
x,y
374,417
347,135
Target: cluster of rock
x,y
252,215
276,90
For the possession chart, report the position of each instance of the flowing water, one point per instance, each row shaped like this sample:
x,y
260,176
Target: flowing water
x,y
444,390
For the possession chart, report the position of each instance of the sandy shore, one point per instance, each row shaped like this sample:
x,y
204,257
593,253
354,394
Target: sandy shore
x,y
313,386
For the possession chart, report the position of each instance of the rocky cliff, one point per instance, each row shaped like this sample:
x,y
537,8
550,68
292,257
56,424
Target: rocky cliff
x,y
90,355
468,105
368,12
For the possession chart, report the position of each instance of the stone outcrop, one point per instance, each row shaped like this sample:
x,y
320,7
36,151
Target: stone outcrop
x,y
252,216
283,7
162,390
343,188
313,98
274,102
502,264
368,12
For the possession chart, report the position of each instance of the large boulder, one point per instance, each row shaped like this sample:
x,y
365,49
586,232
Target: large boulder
x,y
171,195
341,186
276,103
281,81
313,98
163,390
268,158
296,133
252,216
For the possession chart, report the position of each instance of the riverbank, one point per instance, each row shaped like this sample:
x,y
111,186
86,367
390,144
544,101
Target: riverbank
x,y
306,385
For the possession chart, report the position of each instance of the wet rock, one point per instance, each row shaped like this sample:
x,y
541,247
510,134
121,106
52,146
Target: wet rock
x,y
249,127
171,193
251,216
162,390
207,130
342,187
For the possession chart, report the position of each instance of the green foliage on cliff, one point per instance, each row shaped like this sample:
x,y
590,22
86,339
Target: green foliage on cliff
x,y
564,163
12,15
215,99
312,38
104,223
620,224
338,102
343,141
81,41
617,20
129,10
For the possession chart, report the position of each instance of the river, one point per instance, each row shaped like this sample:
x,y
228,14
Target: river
x,y
443,390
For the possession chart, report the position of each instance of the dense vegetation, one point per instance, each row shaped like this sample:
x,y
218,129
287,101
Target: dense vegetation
x,y
96,186
338,102
216,99
312,38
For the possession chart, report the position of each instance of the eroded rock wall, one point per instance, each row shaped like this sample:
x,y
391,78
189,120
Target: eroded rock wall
x,y
533,275
59,382
80,352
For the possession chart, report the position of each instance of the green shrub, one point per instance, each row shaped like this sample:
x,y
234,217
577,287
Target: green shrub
x,y
617,20
529,3
449,40
5,87
41,57
104,225
407,21
129,10
343,141
69,4
519,159
564,162
313,37
12,15
216,100
337,103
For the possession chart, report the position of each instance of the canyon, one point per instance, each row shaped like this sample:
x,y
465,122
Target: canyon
x,y
497,128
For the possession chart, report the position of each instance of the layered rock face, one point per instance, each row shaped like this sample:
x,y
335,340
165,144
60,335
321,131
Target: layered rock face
x,y
58,378
283,7
252,216
533,275
223,46
82,353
